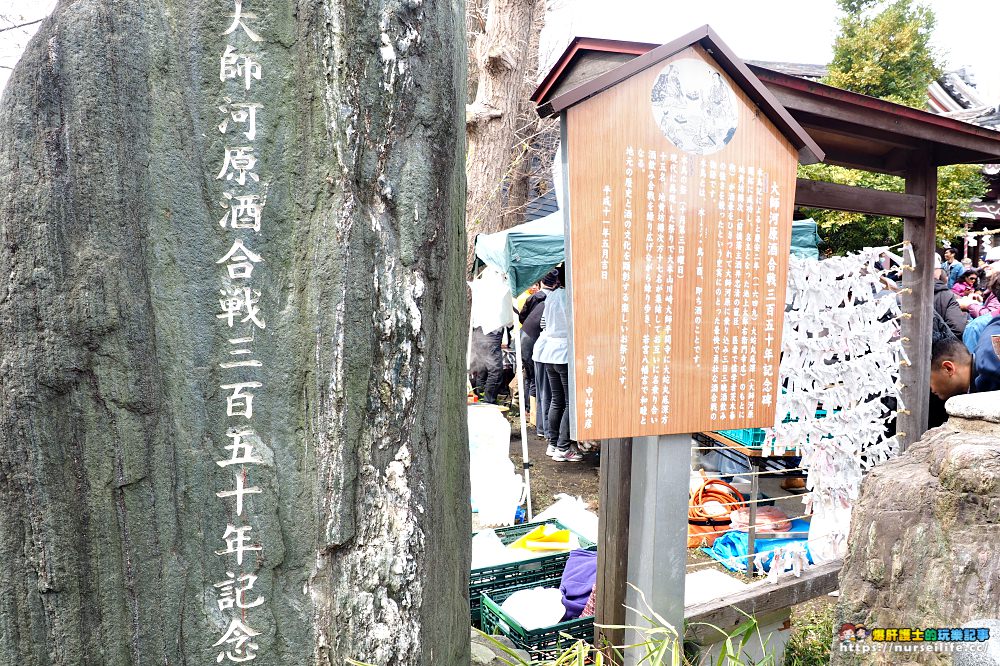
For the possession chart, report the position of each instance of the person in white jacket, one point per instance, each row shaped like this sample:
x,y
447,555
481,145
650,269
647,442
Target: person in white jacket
x,y
552,350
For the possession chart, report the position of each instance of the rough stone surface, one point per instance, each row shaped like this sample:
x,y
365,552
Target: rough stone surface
x,y
975,407
111,412
486,653
923,544
991,657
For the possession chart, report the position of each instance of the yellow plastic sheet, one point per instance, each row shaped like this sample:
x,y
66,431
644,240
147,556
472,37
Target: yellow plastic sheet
x,y
544,538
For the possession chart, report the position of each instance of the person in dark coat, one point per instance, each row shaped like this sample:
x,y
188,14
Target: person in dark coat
x,y
954,371
949,325
946,305
531,328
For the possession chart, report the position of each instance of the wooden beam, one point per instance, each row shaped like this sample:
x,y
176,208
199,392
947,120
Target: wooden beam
x,y
918,303
854,160
759,599
897,161
612,552
851,130
820,194
868,114
894,162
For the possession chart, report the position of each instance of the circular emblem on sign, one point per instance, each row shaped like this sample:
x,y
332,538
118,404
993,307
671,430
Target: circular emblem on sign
x,y
694,106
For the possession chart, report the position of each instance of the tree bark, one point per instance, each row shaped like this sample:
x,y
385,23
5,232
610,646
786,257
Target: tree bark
x,y
113,411
501,119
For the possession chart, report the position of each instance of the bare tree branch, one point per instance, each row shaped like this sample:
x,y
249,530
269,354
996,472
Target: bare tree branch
x,y
21,25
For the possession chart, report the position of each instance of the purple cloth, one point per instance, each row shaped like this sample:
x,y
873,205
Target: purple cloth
x,y
578,581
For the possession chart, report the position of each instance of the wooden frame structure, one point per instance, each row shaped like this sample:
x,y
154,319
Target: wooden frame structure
x,y
845,129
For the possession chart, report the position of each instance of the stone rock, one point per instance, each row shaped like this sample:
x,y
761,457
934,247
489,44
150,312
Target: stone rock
x,y
486,653
922,549
991,657
975,407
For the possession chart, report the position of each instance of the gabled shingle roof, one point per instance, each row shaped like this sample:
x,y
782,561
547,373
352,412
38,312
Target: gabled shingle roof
x,y
551,103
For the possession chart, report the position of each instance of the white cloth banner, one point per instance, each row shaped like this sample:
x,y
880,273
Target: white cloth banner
x,y
492,305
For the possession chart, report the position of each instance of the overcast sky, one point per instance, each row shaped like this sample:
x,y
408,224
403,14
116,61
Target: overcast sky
x,y
781,30
784,30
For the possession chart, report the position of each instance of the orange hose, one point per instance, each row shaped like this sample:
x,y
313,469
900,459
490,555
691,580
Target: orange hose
x,y
719,491
701,525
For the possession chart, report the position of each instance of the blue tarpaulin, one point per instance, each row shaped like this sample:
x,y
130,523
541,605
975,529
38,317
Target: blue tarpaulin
x,y
525,253
731,548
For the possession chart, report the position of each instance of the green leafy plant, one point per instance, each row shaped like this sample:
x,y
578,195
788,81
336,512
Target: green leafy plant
x,y
812,636
958,186
658,645
884,50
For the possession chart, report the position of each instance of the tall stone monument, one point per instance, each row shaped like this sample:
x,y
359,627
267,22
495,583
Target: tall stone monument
x,y
231,336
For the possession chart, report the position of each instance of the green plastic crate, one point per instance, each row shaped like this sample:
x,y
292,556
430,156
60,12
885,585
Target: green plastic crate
x,y
505,576
749,437
541,643
754,437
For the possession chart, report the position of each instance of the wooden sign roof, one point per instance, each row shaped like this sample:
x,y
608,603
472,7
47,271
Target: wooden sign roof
x,y
586,58
549,104
862,132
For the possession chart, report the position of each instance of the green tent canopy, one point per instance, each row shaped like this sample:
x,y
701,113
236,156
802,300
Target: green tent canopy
x,y
805,239
527,252
524,253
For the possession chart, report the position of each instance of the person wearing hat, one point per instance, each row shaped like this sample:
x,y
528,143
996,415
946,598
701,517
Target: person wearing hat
x,y
993,260
552,350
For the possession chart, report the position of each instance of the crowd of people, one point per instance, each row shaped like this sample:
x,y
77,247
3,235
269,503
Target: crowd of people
x,y
965,356
544,338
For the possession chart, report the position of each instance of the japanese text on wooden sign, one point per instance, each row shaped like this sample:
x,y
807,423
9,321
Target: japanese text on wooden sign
x,y
681,197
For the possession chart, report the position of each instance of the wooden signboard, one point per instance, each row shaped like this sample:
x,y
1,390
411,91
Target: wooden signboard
x,y
680,202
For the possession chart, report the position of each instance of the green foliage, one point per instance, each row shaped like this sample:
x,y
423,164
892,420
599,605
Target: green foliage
x,y
958,186
884,51
658,646
842,231
855,6
885,54
812,636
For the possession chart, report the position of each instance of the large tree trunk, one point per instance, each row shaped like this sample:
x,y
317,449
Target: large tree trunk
x,y
113,411
501,120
